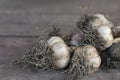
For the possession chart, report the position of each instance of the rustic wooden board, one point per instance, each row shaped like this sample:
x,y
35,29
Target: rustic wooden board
x,y
13,48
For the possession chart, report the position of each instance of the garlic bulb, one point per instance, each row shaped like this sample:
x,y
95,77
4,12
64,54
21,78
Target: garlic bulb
x,y
105,33
96,30
85,61
61,54
103,27
90,56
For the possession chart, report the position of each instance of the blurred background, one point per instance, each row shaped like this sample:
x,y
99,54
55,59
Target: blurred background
x,y
21,21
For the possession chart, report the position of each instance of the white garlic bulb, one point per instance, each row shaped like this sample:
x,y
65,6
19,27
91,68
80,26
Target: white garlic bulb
x,y
103,27
61,54
90,57
105,33
97,31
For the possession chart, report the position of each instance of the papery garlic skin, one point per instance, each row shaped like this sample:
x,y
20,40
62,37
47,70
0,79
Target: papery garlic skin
x,y
53,40
106,34
90,56
116,40
61,54
116,31
76,39
101,20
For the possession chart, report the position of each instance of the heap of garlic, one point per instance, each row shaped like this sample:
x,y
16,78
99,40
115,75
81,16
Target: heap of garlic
x,y
95,32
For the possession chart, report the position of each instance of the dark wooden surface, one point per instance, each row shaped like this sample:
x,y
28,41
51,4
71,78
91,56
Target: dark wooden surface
x,y
22,20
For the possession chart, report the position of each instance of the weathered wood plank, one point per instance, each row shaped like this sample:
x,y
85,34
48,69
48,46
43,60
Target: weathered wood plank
x,y
22,17
36,25
32,26
11,48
